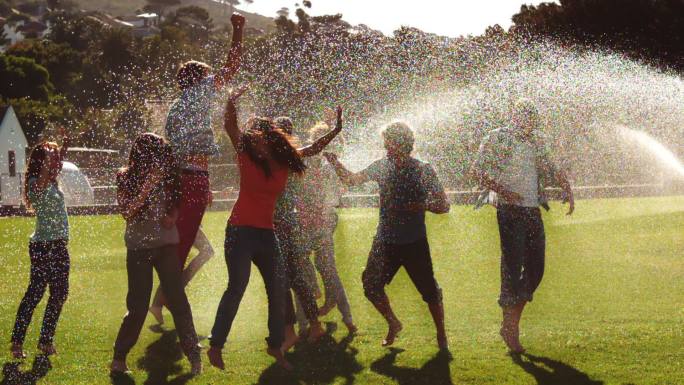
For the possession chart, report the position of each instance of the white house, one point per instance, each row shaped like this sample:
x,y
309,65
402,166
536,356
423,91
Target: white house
x,y
13,155
16,32
13,147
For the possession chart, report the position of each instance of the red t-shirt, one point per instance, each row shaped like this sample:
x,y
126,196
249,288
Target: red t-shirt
x,y
258,193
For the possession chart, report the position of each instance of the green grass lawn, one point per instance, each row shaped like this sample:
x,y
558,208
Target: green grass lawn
x,y
610,309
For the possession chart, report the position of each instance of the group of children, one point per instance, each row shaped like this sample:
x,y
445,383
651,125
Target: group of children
x,y
284,212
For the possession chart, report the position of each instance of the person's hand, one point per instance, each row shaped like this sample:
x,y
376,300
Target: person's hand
x,y
237,92
511,197
332,158
329,116
62,132
237,20
570,200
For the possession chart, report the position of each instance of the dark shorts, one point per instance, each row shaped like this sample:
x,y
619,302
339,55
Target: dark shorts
x,y
523,245
384,262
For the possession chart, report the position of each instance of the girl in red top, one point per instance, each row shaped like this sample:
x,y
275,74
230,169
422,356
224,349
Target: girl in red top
x,y
266,156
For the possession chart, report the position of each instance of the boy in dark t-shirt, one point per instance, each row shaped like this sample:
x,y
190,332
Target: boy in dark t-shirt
x,y
408,188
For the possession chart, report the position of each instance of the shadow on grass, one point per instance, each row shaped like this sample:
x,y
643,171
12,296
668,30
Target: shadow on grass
x,y
161,361
436,371
321,363
548,371
11,374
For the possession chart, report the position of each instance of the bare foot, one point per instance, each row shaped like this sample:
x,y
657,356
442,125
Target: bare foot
x,y
280,358
351,327
118,367
316,331
47,349
326,308
18,351
392,333
215,358
291,338
511,339
156,311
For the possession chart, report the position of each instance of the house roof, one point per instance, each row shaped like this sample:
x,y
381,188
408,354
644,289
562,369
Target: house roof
x,y
4,114
32,26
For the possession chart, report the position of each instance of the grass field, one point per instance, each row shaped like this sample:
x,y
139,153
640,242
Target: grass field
x,y
609,311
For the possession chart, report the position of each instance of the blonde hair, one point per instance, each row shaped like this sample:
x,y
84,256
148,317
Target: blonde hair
x,y
400,134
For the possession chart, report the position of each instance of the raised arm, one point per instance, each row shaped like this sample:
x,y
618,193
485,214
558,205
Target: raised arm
x,y
48,172
66,142
318,146
232,63
230,122
347,177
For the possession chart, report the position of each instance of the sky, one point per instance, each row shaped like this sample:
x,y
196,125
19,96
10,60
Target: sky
x,y
444,17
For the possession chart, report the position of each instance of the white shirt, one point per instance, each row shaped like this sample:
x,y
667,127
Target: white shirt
x,y
511,162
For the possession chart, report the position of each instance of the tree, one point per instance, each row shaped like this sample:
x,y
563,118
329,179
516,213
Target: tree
x,y
195,21
651,30
62,62
23,78
159,6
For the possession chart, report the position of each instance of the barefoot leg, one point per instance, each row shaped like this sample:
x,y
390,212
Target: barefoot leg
x,y
291,337
383,306
510,327
437,312
280,358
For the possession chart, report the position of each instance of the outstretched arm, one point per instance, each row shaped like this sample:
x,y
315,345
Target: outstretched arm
x,y
232,63
347,177
323,141
230,122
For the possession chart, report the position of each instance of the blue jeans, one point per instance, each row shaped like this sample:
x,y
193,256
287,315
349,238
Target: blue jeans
x,y
243,246
523,245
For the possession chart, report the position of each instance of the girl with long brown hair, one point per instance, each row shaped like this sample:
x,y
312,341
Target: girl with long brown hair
x,y
266,157
47,248
148,196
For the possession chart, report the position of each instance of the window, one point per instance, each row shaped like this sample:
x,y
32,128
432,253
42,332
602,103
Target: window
x,y
12,160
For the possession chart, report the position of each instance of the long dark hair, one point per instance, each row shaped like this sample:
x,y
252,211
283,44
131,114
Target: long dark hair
x,y
37,159
281,145
150,152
